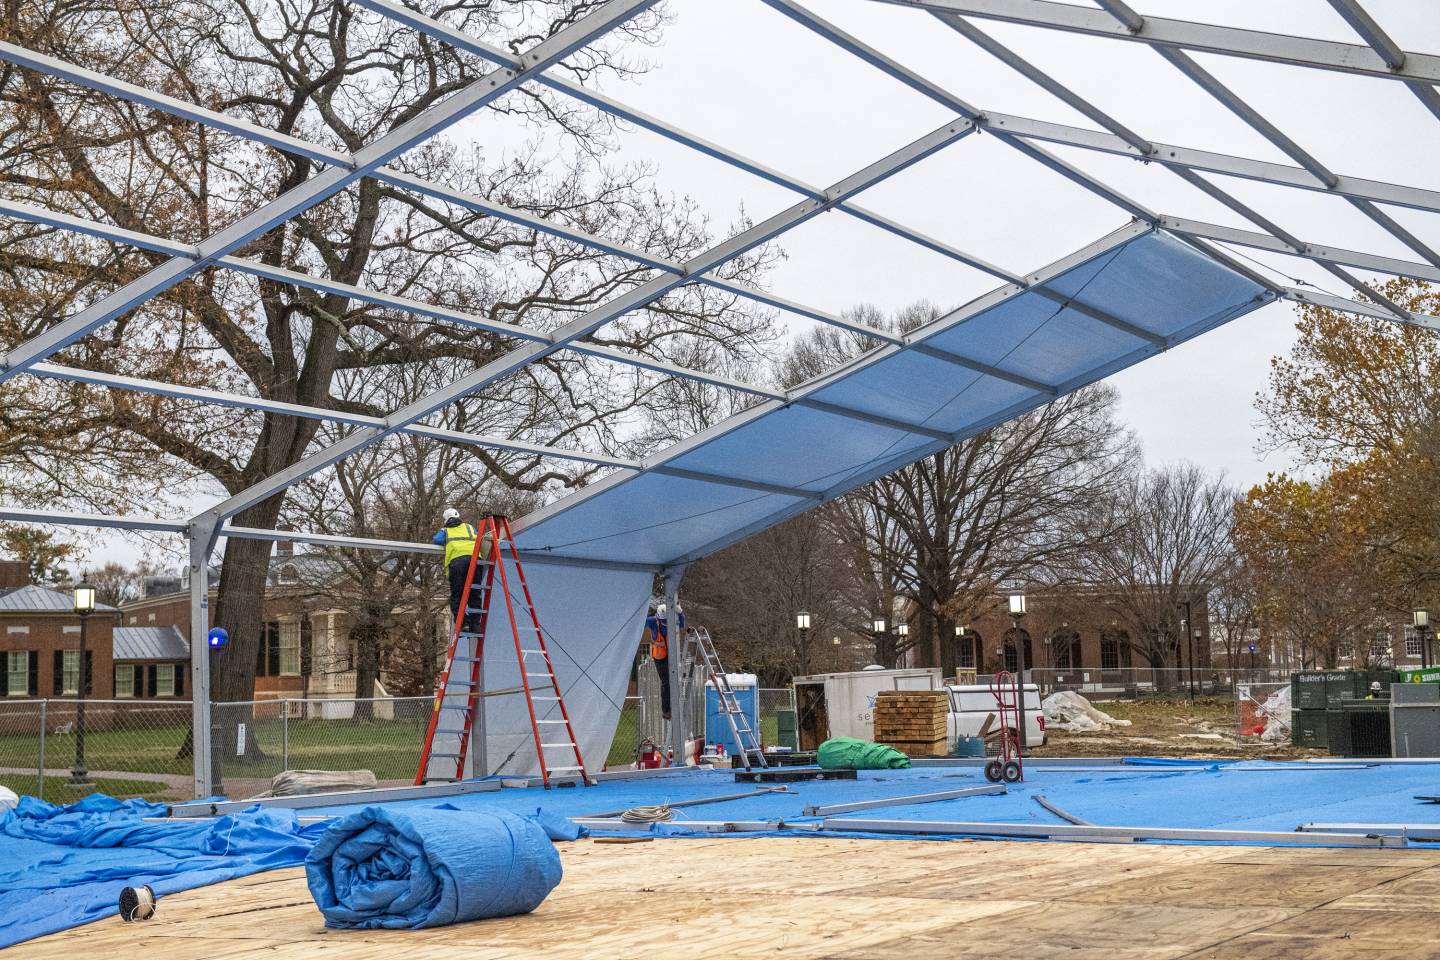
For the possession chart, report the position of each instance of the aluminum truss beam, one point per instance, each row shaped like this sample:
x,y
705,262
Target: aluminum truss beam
x,y
1371,32
1203,37
237,401
584,325
324,184
1121,135
1020,128
1213,86
67,518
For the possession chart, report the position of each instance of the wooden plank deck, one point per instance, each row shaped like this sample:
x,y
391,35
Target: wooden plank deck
x,y
821,899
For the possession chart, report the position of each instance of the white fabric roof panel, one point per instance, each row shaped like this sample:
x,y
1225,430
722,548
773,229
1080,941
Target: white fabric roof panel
x,y
1146,279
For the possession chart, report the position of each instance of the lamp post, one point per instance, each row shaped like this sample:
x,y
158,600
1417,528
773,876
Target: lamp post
x,y
1017,613
1190,637
84,606
802,623
1422,630
902,630
959,639
877,632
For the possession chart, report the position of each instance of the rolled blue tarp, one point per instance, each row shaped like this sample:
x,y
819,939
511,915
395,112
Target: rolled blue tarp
x,y
406,869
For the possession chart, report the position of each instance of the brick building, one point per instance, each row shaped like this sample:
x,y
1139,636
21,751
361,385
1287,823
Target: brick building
x,y
1077,630
40,648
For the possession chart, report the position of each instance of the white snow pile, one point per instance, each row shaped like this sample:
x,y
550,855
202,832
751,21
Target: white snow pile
x,y
1067,710
1276,711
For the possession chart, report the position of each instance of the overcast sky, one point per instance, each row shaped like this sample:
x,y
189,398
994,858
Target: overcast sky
x,y
742,75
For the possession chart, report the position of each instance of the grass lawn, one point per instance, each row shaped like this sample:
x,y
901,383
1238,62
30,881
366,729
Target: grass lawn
x,y
1168,727
58,791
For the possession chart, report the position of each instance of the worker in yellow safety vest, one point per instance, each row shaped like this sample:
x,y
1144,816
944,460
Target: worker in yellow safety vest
x,y
458,539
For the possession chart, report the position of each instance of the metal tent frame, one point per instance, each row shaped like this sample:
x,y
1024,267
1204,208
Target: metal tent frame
x,y
1377,56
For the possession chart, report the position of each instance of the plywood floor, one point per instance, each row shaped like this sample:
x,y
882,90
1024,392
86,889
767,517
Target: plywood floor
x,y
854,900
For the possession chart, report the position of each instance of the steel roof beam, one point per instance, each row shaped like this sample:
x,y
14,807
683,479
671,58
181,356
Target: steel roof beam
x,y
1203,37
1181,60
598,317
1372,33
237,401
323,185
103,231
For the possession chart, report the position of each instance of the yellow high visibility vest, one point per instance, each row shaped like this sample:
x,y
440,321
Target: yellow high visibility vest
x,y
459,542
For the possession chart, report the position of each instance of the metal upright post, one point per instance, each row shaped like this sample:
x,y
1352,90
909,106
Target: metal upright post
x,y
40,770
1020,664
285,734
201,537
679,719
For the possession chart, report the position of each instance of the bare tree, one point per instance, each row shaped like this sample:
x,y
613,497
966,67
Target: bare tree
x,y
340,76
1167,543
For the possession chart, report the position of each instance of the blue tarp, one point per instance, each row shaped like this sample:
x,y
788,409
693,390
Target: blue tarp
x,y
85,853
393,869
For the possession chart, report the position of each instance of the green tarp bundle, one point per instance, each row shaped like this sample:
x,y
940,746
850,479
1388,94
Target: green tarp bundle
x,y
847,753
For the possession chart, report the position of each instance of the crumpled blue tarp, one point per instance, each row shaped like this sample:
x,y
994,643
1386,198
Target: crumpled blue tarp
x,y
384,868
86,852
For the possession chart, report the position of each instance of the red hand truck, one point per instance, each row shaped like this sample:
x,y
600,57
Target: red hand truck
x,y
1008,765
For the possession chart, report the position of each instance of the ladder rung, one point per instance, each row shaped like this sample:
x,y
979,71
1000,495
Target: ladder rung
x,y
470,633
474,609
559,769
442,779
468,660
549,745
546,675
451,731
553,721
453,756
556,699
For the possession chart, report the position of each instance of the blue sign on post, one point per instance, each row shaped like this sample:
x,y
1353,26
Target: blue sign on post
x,y
218,637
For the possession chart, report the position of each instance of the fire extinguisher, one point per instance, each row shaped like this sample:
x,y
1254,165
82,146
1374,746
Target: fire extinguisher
x,y
650,757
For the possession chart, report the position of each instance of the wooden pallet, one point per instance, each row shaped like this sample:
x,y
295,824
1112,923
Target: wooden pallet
x,y
919,748
911,717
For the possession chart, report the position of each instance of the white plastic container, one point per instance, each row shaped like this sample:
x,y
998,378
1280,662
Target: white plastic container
x,y
847,700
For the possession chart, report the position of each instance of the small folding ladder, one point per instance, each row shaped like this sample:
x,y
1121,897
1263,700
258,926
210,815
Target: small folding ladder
x,y
745,737
447,739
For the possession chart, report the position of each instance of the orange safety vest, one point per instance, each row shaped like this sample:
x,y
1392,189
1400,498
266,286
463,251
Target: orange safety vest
x,y
658,647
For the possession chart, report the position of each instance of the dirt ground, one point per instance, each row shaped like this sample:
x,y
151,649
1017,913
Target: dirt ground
x,y
1169,727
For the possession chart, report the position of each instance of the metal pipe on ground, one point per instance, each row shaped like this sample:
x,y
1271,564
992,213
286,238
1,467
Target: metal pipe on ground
x,y
825,811
689,803
1063,815
1106,833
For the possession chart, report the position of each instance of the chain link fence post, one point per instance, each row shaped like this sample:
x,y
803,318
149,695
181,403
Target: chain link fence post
x,y
40,765
285,736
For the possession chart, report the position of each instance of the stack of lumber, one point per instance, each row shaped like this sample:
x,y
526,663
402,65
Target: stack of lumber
x,y
912,721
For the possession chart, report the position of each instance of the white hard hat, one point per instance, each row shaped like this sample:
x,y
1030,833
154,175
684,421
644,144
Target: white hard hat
x,y
451,513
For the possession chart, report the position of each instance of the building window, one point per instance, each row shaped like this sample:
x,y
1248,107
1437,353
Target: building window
x,y
124,682
70,672
1412,643
165,680
965,654
17,675
290,649
1109,654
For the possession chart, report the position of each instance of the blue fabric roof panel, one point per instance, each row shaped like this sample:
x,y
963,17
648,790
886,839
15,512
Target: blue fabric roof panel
x,y
1149,280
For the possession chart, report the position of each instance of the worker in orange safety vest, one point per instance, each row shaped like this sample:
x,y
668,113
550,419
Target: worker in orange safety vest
x,y
656,634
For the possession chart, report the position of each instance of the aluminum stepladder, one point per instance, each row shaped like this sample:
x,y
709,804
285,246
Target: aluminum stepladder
x,y
746,739
447,739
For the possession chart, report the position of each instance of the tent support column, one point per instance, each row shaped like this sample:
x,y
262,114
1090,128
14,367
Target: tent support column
x,y
679,715
201,535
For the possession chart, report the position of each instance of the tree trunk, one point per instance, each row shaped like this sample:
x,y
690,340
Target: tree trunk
x,y
368,635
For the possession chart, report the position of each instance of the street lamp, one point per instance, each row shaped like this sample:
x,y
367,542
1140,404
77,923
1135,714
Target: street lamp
x,y
1190,639
802,621
84,606
1017,613
902,630
1422,630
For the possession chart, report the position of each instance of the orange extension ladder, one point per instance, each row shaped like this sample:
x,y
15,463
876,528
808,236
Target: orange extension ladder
x,y
453,717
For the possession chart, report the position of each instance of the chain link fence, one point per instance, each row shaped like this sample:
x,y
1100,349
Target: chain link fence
x,y
1138,683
